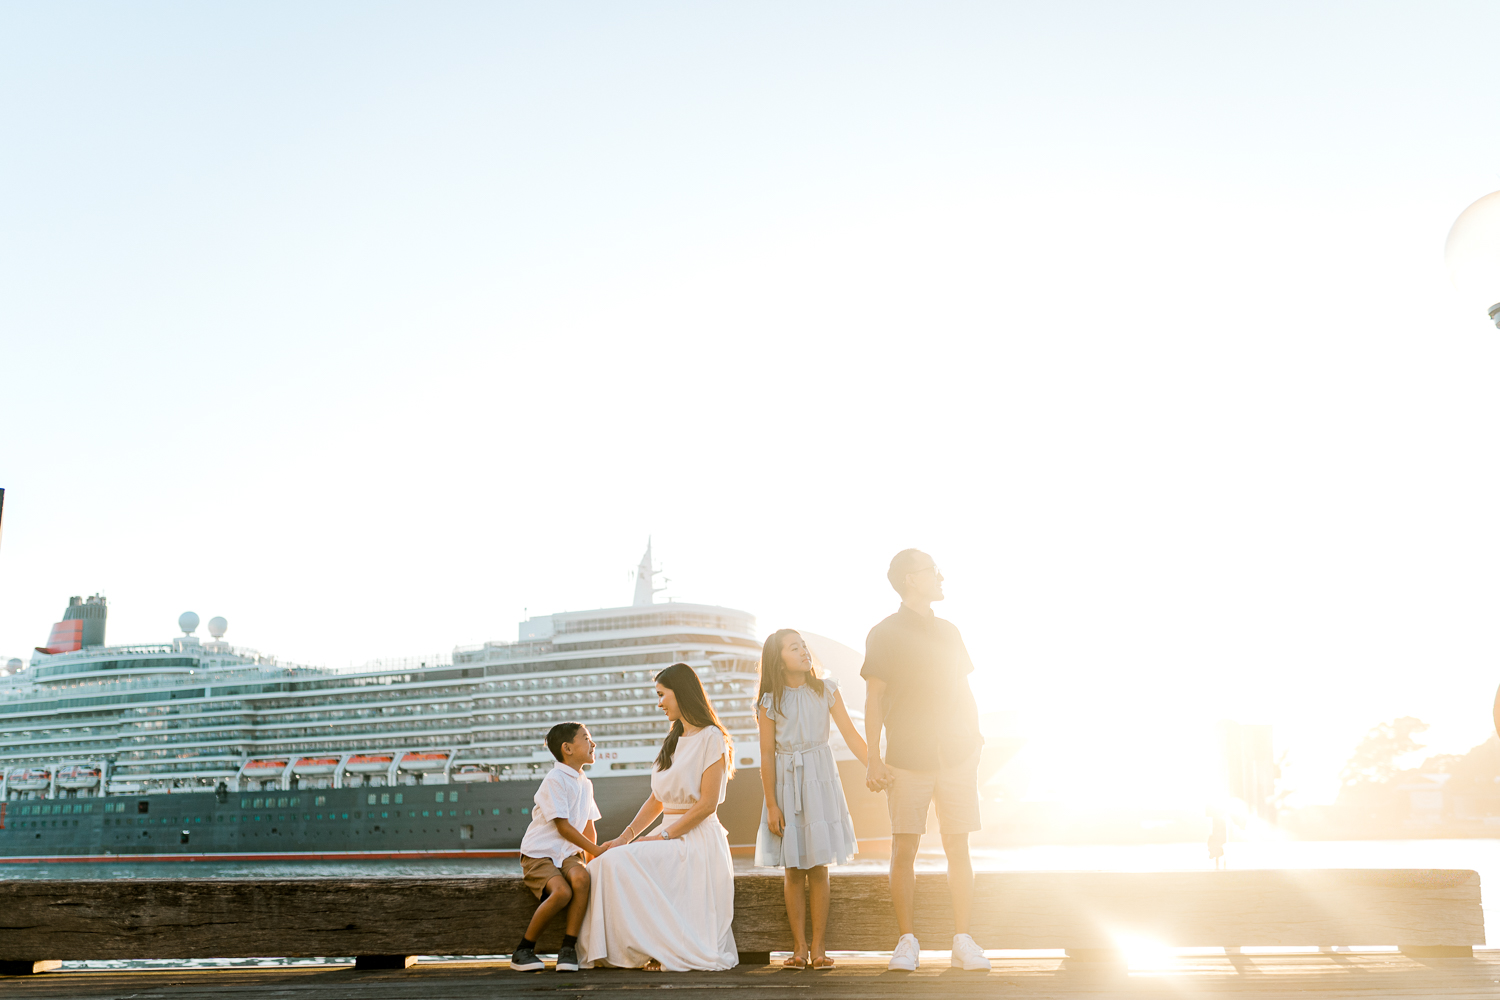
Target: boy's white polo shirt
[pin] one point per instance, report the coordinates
(564, 794)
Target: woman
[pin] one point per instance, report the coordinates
(666, 900)
(805, 824)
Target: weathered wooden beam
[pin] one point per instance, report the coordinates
(1079, 911)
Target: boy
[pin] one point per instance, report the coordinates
(551, 864)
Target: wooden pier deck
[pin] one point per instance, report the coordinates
(1241, 977)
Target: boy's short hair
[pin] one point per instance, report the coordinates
(559, 734)
(903, 563)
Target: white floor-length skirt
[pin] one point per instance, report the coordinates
(671, 900)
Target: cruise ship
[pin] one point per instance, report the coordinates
(196, 748)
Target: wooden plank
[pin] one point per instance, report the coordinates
(229, 918)
(1350, 977)
(1091, 910)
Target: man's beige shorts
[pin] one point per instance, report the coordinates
(536, 872)
(955, 789)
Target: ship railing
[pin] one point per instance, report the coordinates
(436, 660)
(206, 676)
(91, 652)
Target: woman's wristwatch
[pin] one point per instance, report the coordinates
(666, 834)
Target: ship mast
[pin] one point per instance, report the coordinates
(645, 580)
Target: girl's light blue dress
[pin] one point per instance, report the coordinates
(818, 828)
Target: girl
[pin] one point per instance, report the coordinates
(805, 825)
(667, 900)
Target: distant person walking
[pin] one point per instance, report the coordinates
(916, 674)
(804, 824)
(667, 901)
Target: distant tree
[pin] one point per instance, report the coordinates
(1374, 760)
(1479, 768)
(1443, 763)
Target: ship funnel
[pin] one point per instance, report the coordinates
(82, 625)
(92, 611)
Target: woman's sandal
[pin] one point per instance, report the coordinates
(794, 961)
(822, 962)
(652, 965)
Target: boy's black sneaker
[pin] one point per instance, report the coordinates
(567, 958)
(525, 960)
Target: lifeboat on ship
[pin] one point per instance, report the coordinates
(424, 761)
(264, 768)
(125, 787)
(369, 763)
(315, 765)
(29, 779)
(471, 772)
(78, 776)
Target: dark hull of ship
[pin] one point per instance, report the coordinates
(470, 820)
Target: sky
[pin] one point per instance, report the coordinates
(375, 327)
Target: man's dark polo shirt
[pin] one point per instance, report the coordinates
(930, 716)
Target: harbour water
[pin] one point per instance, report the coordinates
(1481, 855)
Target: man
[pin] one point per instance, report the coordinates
(916, 675)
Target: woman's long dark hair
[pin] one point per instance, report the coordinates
(773, 669)
(692, 705)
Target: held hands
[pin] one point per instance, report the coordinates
(775, 820)
(878, 777)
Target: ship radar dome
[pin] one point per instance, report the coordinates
(218, 626)
(187, 621)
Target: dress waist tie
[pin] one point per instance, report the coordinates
(793, 762)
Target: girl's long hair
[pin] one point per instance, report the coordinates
(773, 670)
(692, 705)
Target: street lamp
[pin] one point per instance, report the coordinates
(1473, 255)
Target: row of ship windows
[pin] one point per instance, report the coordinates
(257, 817)
(465, 692)
(247, 802)
(271, 817)
(355, 739)
(283, 732)
(502, 741)
(384, 798)
(218, 721)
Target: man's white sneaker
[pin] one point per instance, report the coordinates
(967, 955)
(908, 954)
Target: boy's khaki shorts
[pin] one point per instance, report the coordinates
(955, 789)
(536, 872)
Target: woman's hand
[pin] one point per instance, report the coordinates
(775, 820)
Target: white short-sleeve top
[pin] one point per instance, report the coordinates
(803, 716)
(564, 794)
(679, 785)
